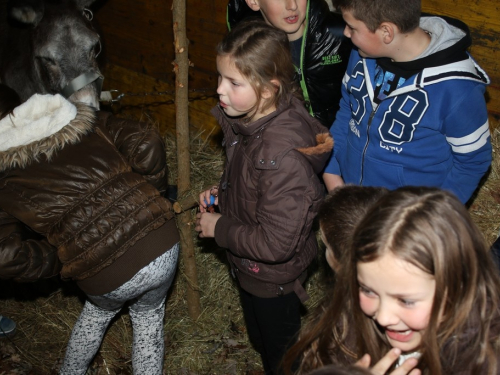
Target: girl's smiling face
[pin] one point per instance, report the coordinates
(399, 297)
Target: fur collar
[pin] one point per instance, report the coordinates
(325, 145)
(40, 127)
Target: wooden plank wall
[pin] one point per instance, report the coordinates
(138, 52)
(483, 18)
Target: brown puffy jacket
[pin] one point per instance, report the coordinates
(269, 195)
(83, 196)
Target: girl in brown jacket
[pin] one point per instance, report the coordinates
(269, 193)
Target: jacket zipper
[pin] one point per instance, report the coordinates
(225, 184)
(370, 119)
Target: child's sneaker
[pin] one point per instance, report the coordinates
(7, 326)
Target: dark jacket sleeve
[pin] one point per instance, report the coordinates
(24, 255)
(325, 61)
(142, 146)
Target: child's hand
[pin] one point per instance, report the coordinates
(205, 223)
(208, 198)
(407, 368)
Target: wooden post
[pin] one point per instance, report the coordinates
(181, 66)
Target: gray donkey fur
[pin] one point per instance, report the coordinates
(45, 44)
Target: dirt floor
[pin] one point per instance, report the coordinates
(215, 344)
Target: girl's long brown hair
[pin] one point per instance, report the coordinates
(432, 230)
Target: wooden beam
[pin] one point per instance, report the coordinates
(181, 67)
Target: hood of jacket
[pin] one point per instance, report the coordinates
(445, 58)
(42, 125)
(313, 141)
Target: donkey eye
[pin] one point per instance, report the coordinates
(96, 49)
(47, 60)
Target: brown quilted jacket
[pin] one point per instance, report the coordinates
(82, 197)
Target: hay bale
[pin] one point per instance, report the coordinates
(485, 208)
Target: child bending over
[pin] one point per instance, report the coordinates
(79, 196)
(338, 217)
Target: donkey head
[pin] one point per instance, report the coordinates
(55, 45)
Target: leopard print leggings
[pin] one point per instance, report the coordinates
(145, 294)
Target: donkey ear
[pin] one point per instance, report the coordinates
(29, 12)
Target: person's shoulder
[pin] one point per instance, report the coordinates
(296, 122)
(321, 17)
(296, 115)
(457, 79)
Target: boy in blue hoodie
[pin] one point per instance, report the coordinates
(412, 110)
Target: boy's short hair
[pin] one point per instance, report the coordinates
(405, 14)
